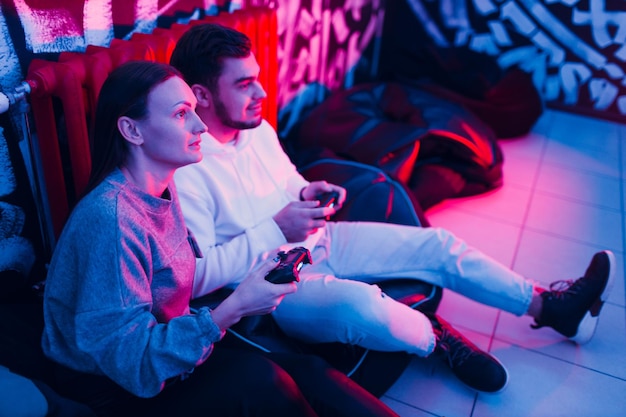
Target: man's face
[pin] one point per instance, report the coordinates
(238, 101)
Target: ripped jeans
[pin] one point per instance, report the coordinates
(336, 301)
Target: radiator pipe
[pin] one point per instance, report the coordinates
(17, 100)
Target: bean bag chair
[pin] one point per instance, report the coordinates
(505, 99)
(433, 146)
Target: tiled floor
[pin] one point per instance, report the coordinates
(563, 199)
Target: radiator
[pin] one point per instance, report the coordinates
(64, 93)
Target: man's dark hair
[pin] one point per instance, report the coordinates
(200, 52)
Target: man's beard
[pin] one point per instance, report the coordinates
(226, 120)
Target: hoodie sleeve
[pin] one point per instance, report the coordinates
(231, 261)
(233, 224)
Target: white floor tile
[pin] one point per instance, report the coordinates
(507, 204)
(585, 134)
(530, 146)
(403, 409)
(467, 314)
(593, 160)
(520, 171)
(577, 221)
(582, 186)
(541, 386)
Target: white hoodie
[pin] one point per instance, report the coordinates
(229, 200)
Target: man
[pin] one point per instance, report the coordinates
(246, 198)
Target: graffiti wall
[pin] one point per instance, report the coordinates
(324, 45)
(574, 49)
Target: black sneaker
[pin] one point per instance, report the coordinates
(572, 307)
(475, 368)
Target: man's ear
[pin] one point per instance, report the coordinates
(203, 95)
(129, 129)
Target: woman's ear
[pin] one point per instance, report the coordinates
(203, 95)
(129, 129)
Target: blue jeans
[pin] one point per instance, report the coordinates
(336, 301)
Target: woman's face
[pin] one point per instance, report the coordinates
(171, 132)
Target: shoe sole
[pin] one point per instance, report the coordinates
(588, 324)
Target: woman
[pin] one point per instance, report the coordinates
(116, 304)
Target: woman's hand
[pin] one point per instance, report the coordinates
(253, 296)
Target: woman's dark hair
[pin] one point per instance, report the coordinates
(199, 53)
(124, 93)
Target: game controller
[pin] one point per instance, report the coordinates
(290, 263)
(327, 199)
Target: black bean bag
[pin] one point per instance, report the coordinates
(435, 147)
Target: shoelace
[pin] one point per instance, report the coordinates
(456, 351)
(558, 290)
(565, 286)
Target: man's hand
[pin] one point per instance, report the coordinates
(311, 191)
(299, 219)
